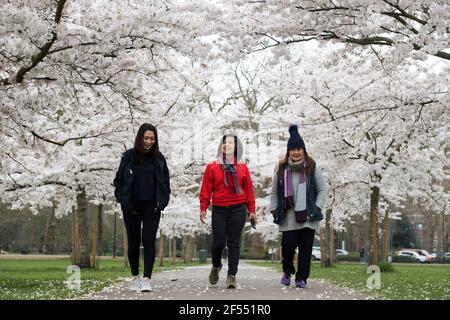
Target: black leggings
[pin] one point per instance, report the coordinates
(303, 239)
(227, 224)
(149, 220)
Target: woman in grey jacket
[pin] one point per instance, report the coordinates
(297, 198)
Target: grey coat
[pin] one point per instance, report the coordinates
(289, 223)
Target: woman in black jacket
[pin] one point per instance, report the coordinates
(142, 187)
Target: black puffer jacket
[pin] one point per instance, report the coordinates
(124, 182)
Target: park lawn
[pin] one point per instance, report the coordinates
(406, 282)
(45, 279)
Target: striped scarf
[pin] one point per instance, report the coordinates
(230, 169)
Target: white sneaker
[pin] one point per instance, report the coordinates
(135, 284)
(145, 285)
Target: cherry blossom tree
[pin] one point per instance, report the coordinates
(366, 81)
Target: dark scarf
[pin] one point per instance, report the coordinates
(230, 169)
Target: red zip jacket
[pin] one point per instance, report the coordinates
(213, 183)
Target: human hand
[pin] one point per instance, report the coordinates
(203, 216)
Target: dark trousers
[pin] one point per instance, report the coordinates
(302, 239)
(149, 220)
(227, 224)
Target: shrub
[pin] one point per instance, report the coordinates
(386, 266)
(351, 257)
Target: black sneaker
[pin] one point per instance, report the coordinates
(231, 281)
(214, 275)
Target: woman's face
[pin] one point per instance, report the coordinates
(228, 146)
(148, 140)
(296, 154)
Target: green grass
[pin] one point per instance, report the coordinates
(406, 282)
(45, 279)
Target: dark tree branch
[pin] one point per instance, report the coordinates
(38, 57)
(174, 103)
(62, 143)
(70, 47)
(398, 14)
(44, 183)
(406, 14)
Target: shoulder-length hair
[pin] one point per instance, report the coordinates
(309, 163)
(139, 144)
(238, 149)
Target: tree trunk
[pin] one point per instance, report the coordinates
(48, 246)
(195, 249)
(74, 236)
(161, 248)
(326, 247)
(446, 233)
(100, 230)
(115, 235)
(191, 253)
(125, 246)
(332, 245)
(187, 248)
(322, 259)
(386, 234)
(83, 231)
(94, 236)
(429, 228)
(374, 199)
(174, 250)
(170, 250)
(184, 250)
(258, 245)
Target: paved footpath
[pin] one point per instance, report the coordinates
(253, 283)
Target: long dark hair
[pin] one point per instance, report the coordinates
(138, 144)
(238, 149)
(309, 163)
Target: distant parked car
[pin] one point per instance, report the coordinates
(341, 252)
(440, 254)
(425, 253)
(315, 254)
(413, 254)
(429, 256)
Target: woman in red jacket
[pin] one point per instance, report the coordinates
(228, 181)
